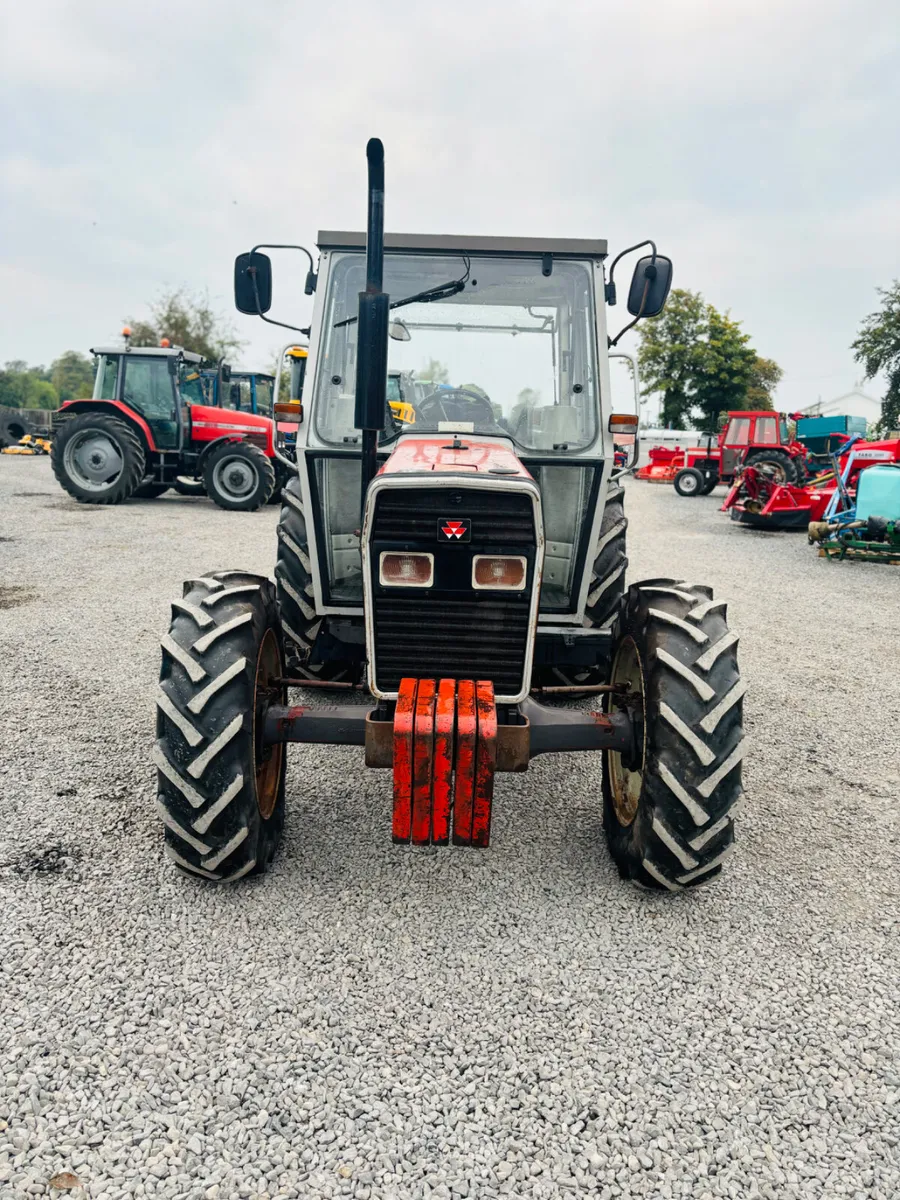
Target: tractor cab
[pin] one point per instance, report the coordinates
(154, 382)
(520, 337)
(746, 430)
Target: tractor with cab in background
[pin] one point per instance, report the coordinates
(154, 423)
(462, 572)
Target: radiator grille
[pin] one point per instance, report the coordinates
(499, 519)
(452, 631)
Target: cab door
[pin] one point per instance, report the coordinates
(148, 387)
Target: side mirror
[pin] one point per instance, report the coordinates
(650, 285)
(226, 373)
(398, 331)
(253, 283)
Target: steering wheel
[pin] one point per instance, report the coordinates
(454, 404)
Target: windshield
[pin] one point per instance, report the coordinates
(511, 353)
(190, 384)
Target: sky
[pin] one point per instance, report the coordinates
(143, 147)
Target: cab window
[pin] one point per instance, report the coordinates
(191, 387)
(738, 432)
(766, 431)
(148, 387)
(264, 397)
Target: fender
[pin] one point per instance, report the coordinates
(74, 407)
(208, 448)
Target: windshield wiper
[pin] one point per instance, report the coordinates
(443, 291)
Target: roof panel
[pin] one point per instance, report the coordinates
(456, 243)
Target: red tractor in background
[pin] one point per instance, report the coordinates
(758, 439)
(149, 427)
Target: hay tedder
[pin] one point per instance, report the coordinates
(456, 574)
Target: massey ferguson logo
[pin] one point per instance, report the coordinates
(455, 529)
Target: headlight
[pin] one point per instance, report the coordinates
(499, 571)
(397, 569)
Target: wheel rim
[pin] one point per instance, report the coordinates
(689, 484)
(94, 460)
(236, 477)
(627, 778)
(267, 759)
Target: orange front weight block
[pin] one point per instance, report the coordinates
(445, 756)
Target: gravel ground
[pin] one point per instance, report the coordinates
(374, 1022)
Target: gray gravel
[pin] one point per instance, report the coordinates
(374, 1022)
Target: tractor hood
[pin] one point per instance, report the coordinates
(458, 453)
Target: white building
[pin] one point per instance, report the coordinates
(851, 404)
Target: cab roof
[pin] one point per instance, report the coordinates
(461, 244)
(150, 352)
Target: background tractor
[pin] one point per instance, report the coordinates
(149, 427)
(457, 570)
(758, 439)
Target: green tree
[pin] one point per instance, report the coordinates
(22, 386)
(670, 354)
(877, 347)
(726, 369)
(434, 371)
(764, 379)
(72, 375)
(187, 320)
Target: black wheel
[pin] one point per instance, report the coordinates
(12, 429)
(98, 459)
(607, 587)
(777, 464)
(709, 485)
(296, 602)
(238, 476)
(668, 813)
(185, 486)
(221, 790)
(689, 482)
(150, 491)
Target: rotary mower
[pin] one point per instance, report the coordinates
(458, 572)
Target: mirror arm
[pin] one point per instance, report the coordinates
(610, 288)
(251, 271)
(613, 341)
(311, 276)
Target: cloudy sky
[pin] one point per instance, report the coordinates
(143, 146)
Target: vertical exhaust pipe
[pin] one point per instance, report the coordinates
(374, 308)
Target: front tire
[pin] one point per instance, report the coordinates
(98, 459)
(668, 814)
(239, 477)
(689, 482)
(221, 790)
(296, 601)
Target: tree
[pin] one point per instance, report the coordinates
(22, 386)
(72, 375)
(726, 369)
(187, 320)
(765, 377)
(435, 372)
(877, 347)
(670, 354)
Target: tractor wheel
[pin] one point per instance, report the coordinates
(185, 486)
(12, 429)
(689, 482)
(220, 791)
(293, 580)
(780, 464)
(239, 477)
(668, 811)
(98, 459)
(709, 485)
(149, 491)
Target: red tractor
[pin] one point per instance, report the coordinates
(453, 571)
(758, 439)
(148, 427)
